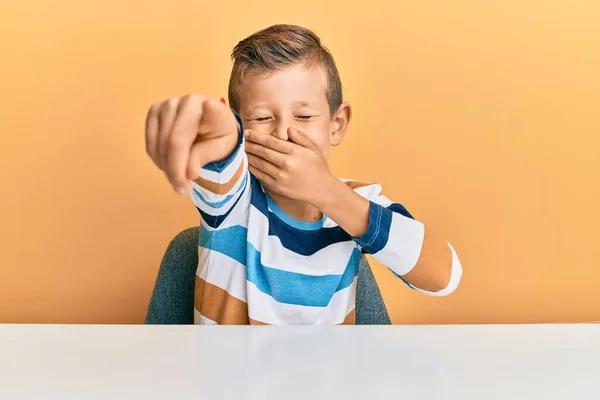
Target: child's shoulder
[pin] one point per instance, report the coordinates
(365, 189)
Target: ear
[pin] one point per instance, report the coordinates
(339, 123)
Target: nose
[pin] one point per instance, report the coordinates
(281, 131)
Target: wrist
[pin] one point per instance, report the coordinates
(330, 193)
(230, 144)
(345, 207)
(226, 151)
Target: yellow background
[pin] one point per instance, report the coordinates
(481, 117)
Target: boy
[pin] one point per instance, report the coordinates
(280, 237)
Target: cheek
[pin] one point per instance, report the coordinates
(259, 128)
(320, 136)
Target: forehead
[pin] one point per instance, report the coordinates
(296, 83)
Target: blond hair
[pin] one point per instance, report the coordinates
(278, 47)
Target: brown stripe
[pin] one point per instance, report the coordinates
(350, 318)
(433, 269)
(355, 184)
(216, 304)
(221, 188)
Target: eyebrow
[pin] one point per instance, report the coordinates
(298, 103)
(302, 104)
(255, 107)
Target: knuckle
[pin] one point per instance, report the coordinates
(164, 106)
(154, 109)
(270, 141)
(173, 102)
(193, 98)
(289, 162)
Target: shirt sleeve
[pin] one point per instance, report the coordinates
(412, 251)
(222, 185)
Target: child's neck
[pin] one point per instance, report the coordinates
(298, 210)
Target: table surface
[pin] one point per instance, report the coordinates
(559, 361)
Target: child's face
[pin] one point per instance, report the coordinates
(293, 97)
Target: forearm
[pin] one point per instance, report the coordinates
(219, 176)
(345, 207)
(411, 250)
(220, 184)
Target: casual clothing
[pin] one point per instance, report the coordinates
(257, 265)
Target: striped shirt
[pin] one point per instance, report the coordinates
(257, 265)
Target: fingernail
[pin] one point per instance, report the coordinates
(246, 133)
(180, 190)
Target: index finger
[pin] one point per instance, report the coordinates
(183, 135)
(269, 141)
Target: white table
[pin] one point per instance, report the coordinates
(395, 362)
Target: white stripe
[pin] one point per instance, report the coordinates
(329, 223)
(260, 226)
(455, 277)
(369, 191)
(222, 271)
(403, 248)
(200, 319)
(383, 201)
(350, 303)
(332, 259)
(238, 215)
(214, 197)
(265, 308)
(227, 174)
(211, 210)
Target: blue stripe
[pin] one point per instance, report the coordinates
(229, 241)
(299, 289)
(219, 204)
(378, 230)
(302, 242)
(395, 208)
(258, 198)
(399, 208)
(351, 270)
(298, 241)
(284, 286)
(301, 225)
(215, 220)
(221, 165)
(403, 280)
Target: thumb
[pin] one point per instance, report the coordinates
(300, 138)
(202, 153)
(217, 119)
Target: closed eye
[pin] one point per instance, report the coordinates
(262, 119)
(304, 116)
